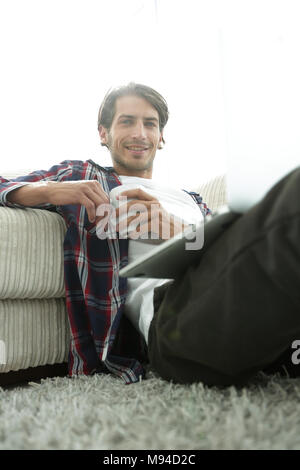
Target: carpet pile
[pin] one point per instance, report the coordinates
(101, 413)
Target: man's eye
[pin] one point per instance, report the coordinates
(126, 121)
(150, 124)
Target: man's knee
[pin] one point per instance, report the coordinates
(289, 188)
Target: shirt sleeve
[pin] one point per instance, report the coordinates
(55, 173)
(201, 204)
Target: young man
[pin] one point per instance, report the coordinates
(234, 314)
(130, 123)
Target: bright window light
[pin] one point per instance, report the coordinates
(59, 57)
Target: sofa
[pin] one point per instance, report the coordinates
(34, 328)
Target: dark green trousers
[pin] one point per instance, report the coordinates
(238, 311)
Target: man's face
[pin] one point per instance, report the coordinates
(134, 136)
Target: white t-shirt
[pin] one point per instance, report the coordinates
(139, 301)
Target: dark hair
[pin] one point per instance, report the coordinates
(108, 107)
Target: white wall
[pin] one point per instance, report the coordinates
(59, 57)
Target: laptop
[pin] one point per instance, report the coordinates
(260, 76)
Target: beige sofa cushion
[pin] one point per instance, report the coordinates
(31, 253)
(214, 192)
(34, 332)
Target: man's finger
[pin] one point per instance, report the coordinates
(140, 219)
(95, 196)
(137, 194)
(133, 207)
(101, 194)
(93, 199)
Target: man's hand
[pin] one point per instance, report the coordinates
(150, 215)
(90, 194)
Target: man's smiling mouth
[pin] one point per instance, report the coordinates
(136, 148)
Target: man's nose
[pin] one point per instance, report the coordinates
(139, 131)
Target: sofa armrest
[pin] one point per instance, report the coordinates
(214, 192)
(31, 253)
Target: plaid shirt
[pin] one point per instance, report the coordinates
(95, 294)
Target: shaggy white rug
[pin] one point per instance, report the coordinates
(102, 413)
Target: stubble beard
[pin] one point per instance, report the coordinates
(137, 165)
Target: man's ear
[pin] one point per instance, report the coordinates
(103, 132)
